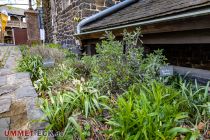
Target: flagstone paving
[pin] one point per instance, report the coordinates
(18, 98)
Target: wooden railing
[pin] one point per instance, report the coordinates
(17, 24)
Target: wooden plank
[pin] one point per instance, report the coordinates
(178, 25)
(185, 37)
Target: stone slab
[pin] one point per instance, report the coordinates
(4, 126)
(2, 134)
(4, 72)
(5, 105)
(23, 75)
(25, 83)
(27, 91)
(11, 79)
(3, 81)
(5, 123)
(7, 89)
(35, 113)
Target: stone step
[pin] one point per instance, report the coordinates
(3, 81)
(5, 104)
(22, 79)
(4, 126)
(4, 72)
(17, 98)
(7, 89)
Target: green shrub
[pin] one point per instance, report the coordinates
(197, 103)
(51, 45)
(81, 68)
(62, 73)
(151, 65)
(30, 64)
(24, 50)
(59, 111)
(146, 113)
(48, 53)
(88, 99)
(115, 71)
(43, 83)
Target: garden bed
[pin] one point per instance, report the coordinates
(116, 95)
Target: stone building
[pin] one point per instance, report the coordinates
(62, 17)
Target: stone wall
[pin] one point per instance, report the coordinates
(47, 21)
(61, 19)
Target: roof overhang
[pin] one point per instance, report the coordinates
(162, 20)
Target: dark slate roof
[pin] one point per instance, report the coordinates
(13, 10)
(144, 10)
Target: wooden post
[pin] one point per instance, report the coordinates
(30, 5)
(2, 34)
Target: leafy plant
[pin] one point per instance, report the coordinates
(48, 53)
(198, 105)
(30, 64)
(88, 99)
(43, 83)
(152, 64)
(24, 50)
(146, 112)
(197, 100)
(86, 130)
(51, 45)
(115, 67)
(109, 68)
(190, 134)
(62, 73)
(59, 111)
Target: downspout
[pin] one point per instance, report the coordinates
(104, 13)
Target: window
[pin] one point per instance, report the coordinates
(9, 18)
(24, 19)
(65, 4)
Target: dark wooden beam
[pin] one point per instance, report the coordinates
(30, 5)
(178, 25)
(181, 37)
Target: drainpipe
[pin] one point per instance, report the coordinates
(104, 13)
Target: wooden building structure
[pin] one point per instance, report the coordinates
(181, 28)
(15, 32)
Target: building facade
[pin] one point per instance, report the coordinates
(180, 28)
(62, 17)
(15, 32)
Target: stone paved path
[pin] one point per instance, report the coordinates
(18, 98)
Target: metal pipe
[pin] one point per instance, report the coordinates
(104, 13)
(164, 19)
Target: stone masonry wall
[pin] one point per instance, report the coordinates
(66, 19)
(47, 21)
